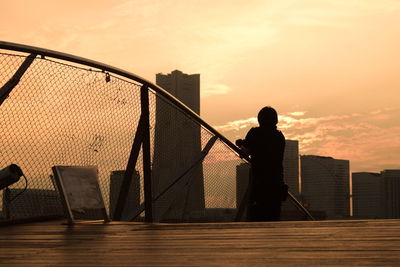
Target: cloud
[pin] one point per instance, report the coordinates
(237, 125)
(370, 140)
(215, 89)
(297, 113)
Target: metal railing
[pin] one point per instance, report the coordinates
(59, 109)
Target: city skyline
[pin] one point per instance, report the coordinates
(167, 117)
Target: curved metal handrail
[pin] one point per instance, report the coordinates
(123, 73)
(107, 68)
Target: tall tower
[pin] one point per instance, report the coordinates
(325, 185)
(177, 145)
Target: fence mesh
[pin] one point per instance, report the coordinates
(61, 113)
(69, 115)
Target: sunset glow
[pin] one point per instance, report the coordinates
(330, 68)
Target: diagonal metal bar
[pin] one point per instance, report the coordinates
(137, 212)
(300, 207)
(130, 169)
(9, 86)
(201, 157)
(145, 109)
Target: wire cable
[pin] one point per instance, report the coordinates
(26, 186)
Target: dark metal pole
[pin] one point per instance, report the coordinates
(300, 207)
(145, 116)
(7, 88)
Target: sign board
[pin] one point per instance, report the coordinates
(79, 189)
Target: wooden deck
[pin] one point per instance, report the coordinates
(320, 243)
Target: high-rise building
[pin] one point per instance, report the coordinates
(291, 177)
(291, 166)
(325, 185)
(185, 87)
(391, 196)
(368, 195)
(177, 146)
(133, 199)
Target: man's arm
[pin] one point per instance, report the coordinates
(246, 144)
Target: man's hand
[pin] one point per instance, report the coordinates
(245, 150)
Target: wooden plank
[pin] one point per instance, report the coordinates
(330, 243)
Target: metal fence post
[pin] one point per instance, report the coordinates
(145, 116)
(9, 86)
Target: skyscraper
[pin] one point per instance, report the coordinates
(177, 146)
(325, 185)
(291, 177)
(291, 166)
(391, 196)
(368, 195)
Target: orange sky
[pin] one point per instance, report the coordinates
(330, 68)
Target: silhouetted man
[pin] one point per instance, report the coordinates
(265, 145)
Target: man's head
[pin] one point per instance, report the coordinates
(267, 116)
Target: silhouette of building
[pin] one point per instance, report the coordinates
(291, 166)
(391, 196)
(31, 203)
(325, 185)
(368, 195)
(177, 145)
(291, 177)
(133, 199)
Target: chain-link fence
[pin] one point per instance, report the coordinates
(62, 113)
